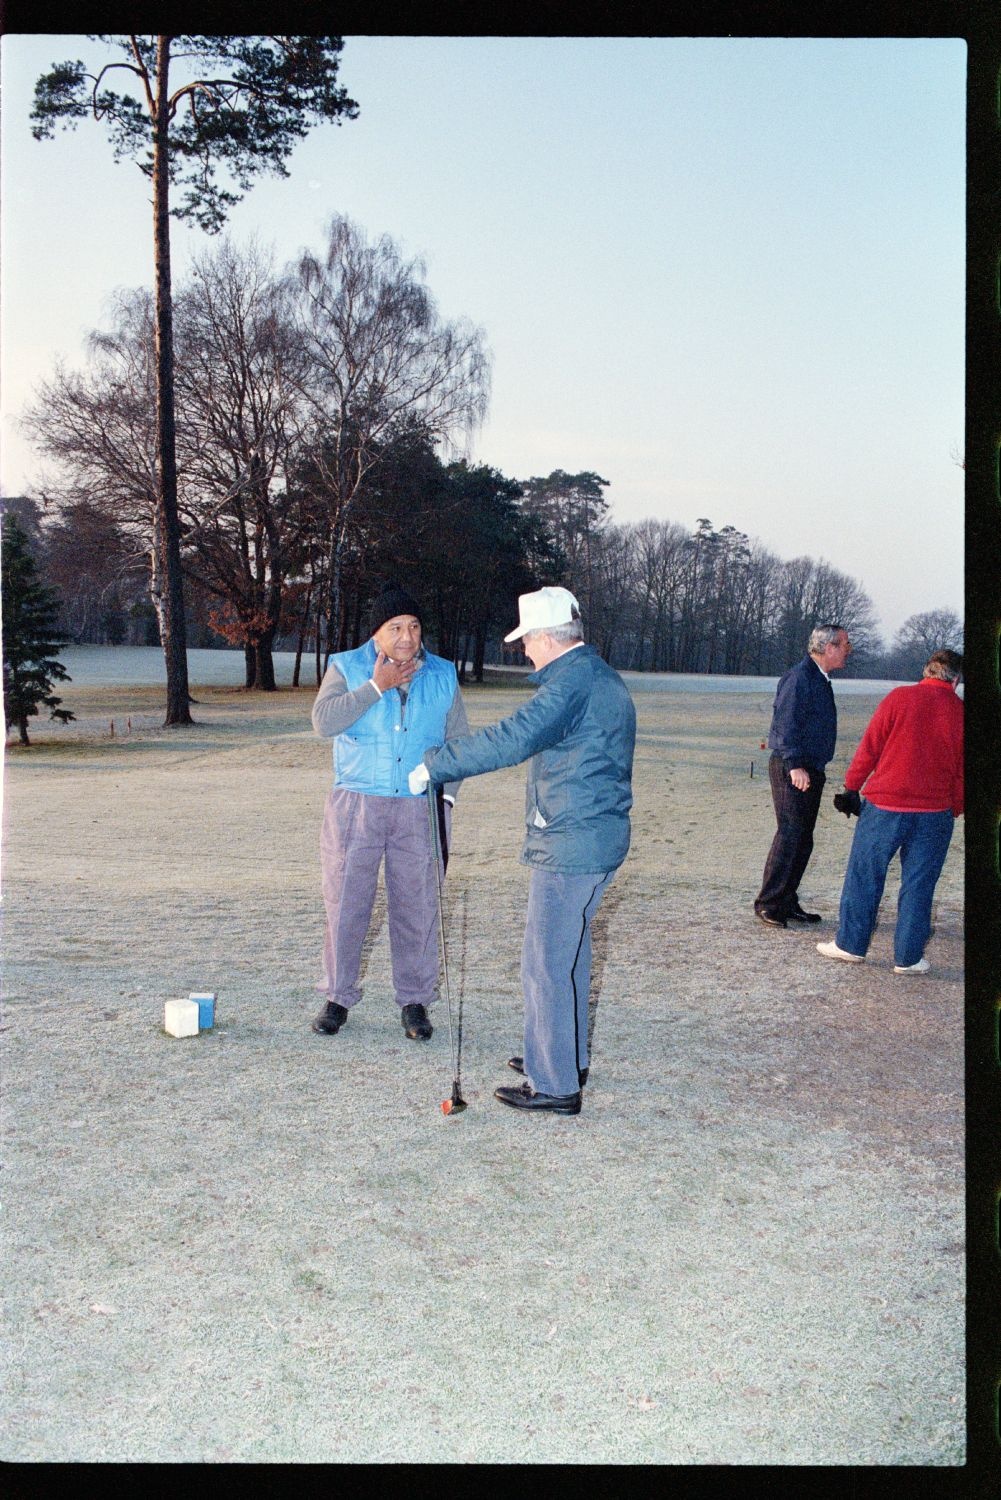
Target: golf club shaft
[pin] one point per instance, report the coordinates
(437, 856)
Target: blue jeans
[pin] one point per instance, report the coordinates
(556, 976)
(922, 839)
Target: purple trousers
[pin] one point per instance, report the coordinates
(359, 832)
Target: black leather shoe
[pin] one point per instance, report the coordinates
(518, 1064)
(525, 1097)
(770, 920)
(414, 1020)
(331, 1018)
(797, 914)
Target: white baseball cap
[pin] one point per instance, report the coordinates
(543, 609)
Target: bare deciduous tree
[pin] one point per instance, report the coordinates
(921, 634)
(381, 357)
(659, 560)
(99, 426)
(239, 368)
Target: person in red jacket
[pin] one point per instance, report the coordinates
(910, 764)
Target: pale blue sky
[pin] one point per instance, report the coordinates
(726, 274)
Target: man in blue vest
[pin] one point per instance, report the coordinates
(578, 730)
(383, 705)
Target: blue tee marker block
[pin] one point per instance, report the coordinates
(206, 1009)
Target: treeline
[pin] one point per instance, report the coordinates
(467, 541)
(316, 409)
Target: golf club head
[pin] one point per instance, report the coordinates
(453, 1106)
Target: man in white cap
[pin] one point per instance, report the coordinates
(579, 730)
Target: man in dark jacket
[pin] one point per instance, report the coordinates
(802, 738)
(579, 729)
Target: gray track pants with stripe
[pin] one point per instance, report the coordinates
(556, 976)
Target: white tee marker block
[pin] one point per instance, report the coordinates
(180, 1018)
(205, 1000)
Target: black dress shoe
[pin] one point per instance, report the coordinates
(414, 1020)
(518, 1064)
(797, 914)
(525, 1097)
(331, 1018)
(770, 920)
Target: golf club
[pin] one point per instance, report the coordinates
(439, 853)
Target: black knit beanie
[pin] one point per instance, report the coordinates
(391, 602)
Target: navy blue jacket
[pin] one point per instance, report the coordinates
(580, 730)
(804, 719)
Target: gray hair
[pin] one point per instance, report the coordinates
(822, 636)
(946, 665)
(572, 631)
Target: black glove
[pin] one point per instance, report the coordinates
(850, 803)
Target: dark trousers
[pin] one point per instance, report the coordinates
(796, 817)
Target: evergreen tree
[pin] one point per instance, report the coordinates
(30, 608)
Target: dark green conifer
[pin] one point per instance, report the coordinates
(30, 643)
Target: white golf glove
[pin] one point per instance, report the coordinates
(418, 780)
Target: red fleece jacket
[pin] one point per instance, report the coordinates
(910, 758)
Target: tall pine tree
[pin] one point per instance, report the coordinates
(30, 666)
(244, 113)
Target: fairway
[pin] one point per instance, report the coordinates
(262, 1245)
